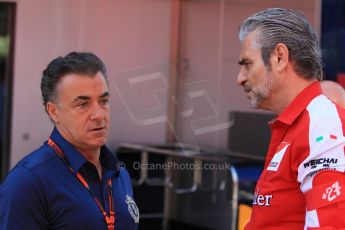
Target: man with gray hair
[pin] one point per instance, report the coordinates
(302, 184)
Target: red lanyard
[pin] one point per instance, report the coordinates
(110, 220)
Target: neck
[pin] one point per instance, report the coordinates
(91, 154)
(284, 93)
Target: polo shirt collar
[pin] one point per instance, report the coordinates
(108, 160)
(300, 103)
(76, 159)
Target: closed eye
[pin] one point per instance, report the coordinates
(83, 105)
(104, 101)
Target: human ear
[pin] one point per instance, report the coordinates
(280, 57)
(52, 110)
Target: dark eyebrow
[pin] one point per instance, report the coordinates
(243, 61)
(85, 98)
(105, 94)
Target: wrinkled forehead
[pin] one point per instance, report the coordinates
(76, 84)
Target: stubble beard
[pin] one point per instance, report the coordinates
(261, 92)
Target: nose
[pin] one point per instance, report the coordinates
(241, 78)
(97, 113)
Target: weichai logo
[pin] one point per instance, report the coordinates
(325, 162)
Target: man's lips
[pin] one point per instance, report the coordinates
(247, 91)
(97, 129)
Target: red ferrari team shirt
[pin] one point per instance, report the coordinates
(302, 184)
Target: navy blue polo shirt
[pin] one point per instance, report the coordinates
(41, 193)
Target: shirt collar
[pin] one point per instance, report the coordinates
(299, 104)
(76, 159)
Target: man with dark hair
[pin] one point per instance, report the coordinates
(72, 181)
(302, 185)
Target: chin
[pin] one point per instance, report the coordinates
(255, 104)
(98, 143)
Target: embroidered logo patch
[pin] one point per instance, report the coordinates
(275, 162)
(132, 208)
(325, 195)
(332, 192)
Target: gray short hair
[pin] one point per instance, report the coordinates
(290, 27)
